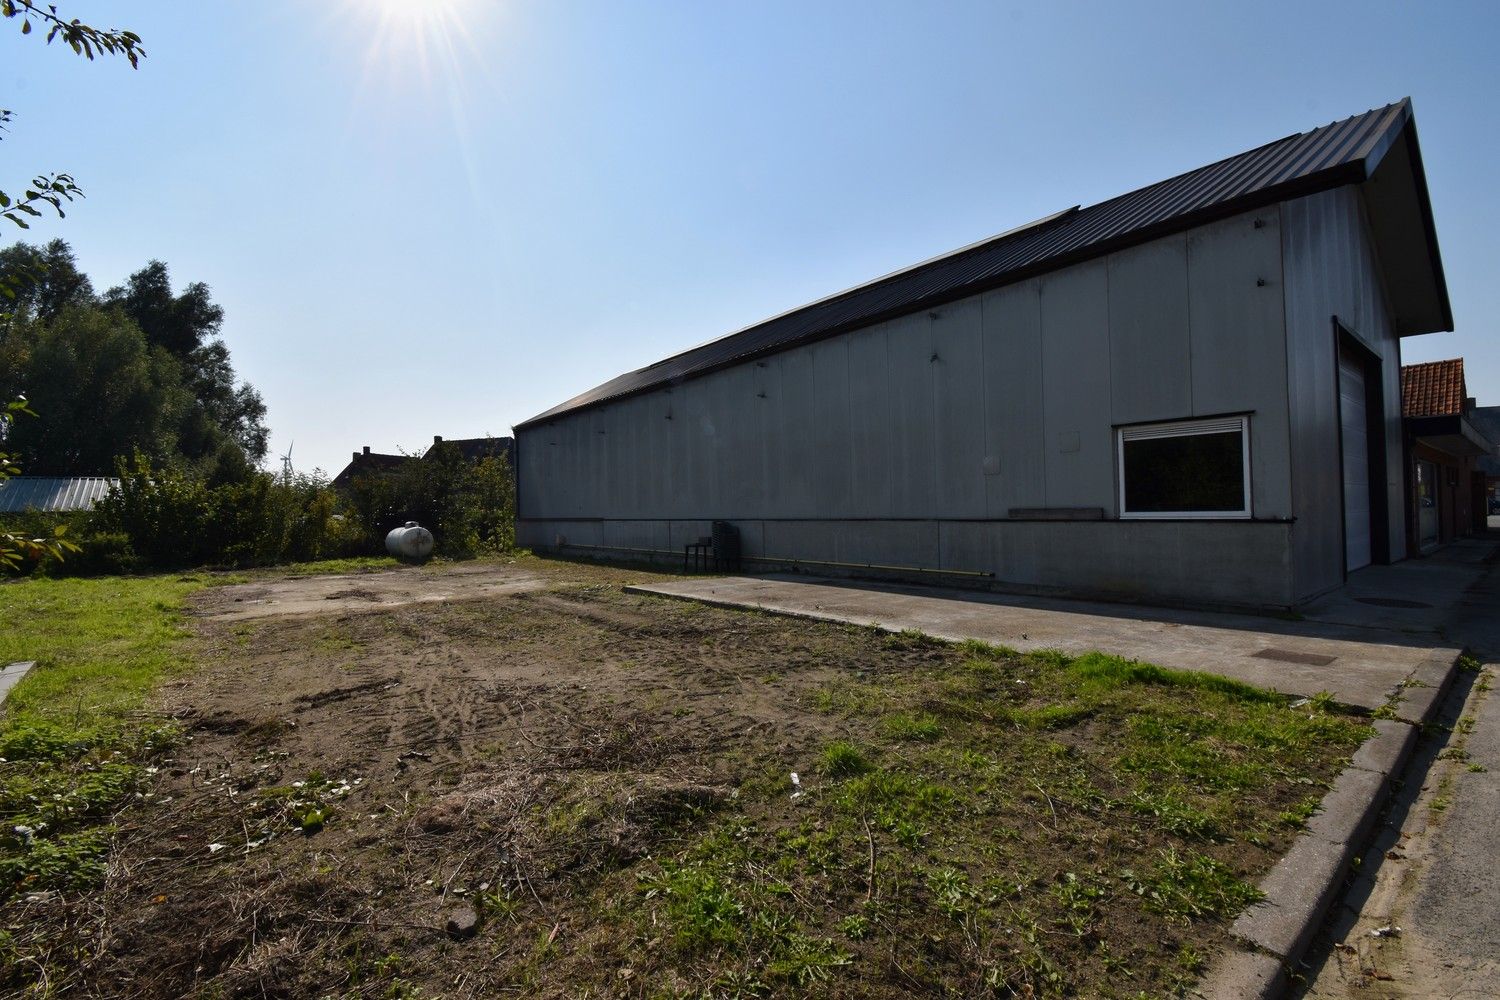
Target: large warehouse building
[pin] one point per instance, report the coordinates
(1190, 392)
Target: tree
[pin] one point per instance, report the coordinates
(187, 325)
(140, 369)
(44, 280)
(180, 323)
(104, 391)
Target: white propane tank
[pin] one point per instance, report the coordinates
(410, 541)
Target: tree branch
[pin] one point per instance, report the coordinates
(83, 39)
(46, 189)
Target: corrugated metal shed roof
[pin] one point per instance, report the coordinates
(1344, 152)
(1433, 388)
(45, 493)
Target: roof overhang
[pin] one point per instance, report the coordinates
(1400, 218)
(1451, 434)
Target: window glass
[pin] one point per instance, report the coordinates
(1197, 469)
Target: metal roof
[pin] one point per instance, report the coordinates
(46, 493)
(1343, 152)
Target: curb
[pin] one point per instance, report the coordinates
(1272, 935)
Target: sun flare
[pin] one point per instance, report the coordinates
(426, 35)
(420, 13)
(422, 61)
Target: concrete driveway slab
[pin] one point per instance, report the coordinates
(1359, 666)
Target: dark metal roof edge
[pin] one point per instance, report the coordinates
(1037, 225)
(1347, 173)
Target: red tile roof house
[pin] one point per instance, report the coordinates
(1444, 448)
(1189, 393)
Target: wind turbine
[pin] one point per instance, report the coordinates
(286, 463)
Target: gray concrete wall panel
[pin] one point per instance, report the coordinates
(1238, 351)
(911, 443)
(971, 547)
(959, 403)
(815, 540)
(1014, 431)
(1078, 438)
(1150, 358)
(871, 426)
(643, 535)
(888, 543)
(830, 470)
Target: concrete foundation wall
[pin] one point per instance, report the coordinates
(1245, 564)
(886, 443)
(1330, 271)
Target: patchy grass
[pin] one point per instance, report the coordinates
(72, 745)
(604, 778)
(100, 644)
(1015, 826)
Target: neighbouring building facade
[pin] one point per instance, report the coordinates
(1487, 419)
(1446, 447)
(367, 463)
(1187, 393)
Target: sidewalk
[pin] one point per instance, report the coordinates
(1359, 644)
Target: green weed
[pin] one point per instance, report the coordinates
(1186, 886)
(1299, 814)
(902, 726)
(842, 759)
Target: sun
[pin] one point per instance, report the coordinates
(420, 14)
(427, 36)
(421, 60)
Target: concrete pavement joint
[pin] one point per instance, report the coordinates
(1386, 752)
(1425, 688)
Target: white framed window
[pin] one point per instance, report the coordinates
(1185, 468)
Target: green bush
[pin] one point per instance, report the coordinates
(159, 518)
(168, 518)
(99, 554)
(470, 507)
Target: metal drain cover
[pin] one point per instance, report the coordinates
(1391, 602)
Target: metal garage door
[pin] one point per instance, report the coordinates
(1352, 405)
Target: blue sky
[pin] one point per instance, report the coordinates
(444, 216)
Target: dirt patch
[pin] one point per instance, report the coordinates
(604, 780)
(322, 595)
